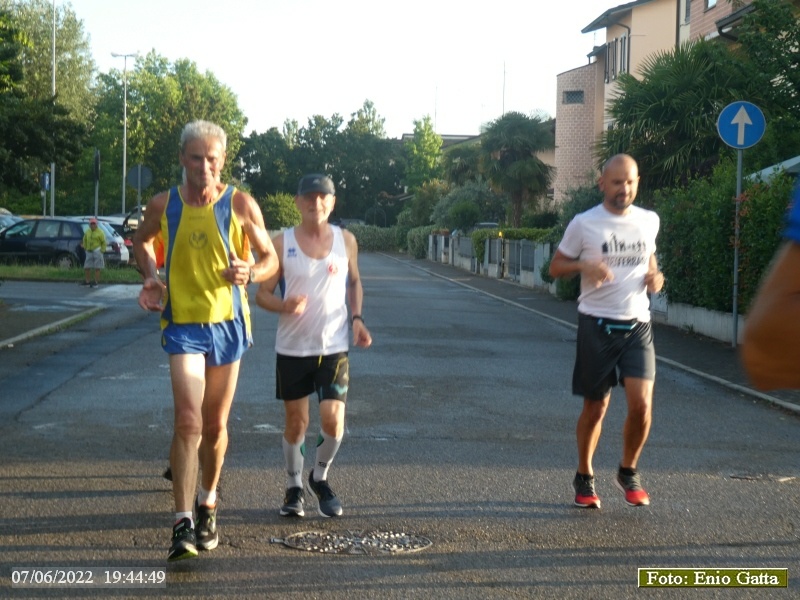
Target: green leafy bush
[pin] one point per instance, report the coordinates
(541, 220)
(405, 223)
(418, 240)
(463, 214)
(280, 211)
(696, 241)
(374, 239)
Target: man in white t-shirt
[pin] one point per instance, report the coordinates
(318, 278)
(612, 246)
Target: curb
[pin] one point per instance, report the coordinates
(718, 380)
(51, 326)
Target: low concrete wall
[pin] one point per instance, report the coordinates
(706, 322)
(711, 323)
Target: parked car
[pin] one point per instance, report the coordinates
(51, 240)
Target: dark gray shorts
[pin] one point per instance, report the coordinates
(299, 376)
(608, 352)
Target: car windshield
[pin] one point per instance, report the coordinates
(22, 229)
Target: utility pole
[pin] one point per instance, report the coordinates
(124, 120)
(53, 164)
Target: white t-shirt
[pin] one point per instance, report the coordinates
(322, 328)
(625, 243)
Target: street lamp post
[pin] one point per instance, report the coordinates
(53, 163)
(124, 119)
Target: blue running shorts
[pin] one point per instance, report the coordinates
(221, 343)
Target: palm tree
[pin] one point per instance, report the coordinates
(508, 159)
(461, 163)
(667, 118)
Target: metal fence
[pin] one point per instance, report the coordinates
(521, 256)
(518, 260)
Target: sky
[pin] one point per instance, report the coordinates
(463, 63)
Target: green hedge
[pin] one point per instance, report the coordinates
(417, 240)
(374, 239)
(696, 241)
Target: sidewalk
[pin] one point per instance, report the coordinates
(714, 361)
(19, 322)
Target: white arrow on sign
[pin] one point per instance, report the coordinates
(741, 119)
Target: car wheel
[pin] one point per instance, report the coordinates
(66, 261)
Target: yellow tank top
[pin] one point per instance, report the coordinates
(197, 243)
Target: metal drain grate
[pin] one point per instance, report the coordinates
(355, 542)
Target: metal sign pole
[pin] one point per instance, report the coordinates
(736, 248)
(740, 125)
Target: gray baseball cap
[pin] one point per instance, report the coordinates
(315, 182)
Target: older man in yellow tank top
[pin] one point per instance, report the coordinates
(205, 319)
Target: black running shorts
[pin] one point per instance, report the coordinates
(608, 352)
(299, 376)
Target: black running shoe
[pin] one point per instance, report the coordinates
(293, 503)
(207, 534)
(184, 541)
(329, 505)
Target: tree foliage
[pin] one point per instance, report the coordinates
(365, 166)
(162, 97)
(770, 41)
(12, 42)
(266, 165)
(74, 64)
(508, 159)
(427, 196)
(280, 210)
(35, 130)
(667, 120)
(423, 153)
(488, 206)
(462, 163)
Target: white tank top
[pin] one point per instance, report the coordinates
(322, 328)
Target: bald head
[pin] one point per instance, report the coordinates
(619, 183)
(620, 159)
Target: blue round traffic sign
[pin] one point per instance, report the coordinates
(741, 125)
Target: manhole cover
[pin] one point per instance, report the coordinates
(355, 542)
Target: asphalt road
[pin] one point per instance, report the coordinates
(460, 430)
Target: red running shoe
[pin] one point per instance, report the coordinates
(585, 496)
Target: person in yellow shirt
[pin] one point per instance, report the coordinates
(205, 226)
(94, 243)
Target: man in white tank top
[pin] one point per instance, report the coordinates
(318, 278)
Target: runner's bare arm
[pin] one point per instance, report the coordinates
(266, 298)
(252, 221)
(355, 292)
(152, 292)
(562, 266)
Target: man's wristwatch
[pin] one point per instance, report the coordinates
(252, 275)
(356, 318)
